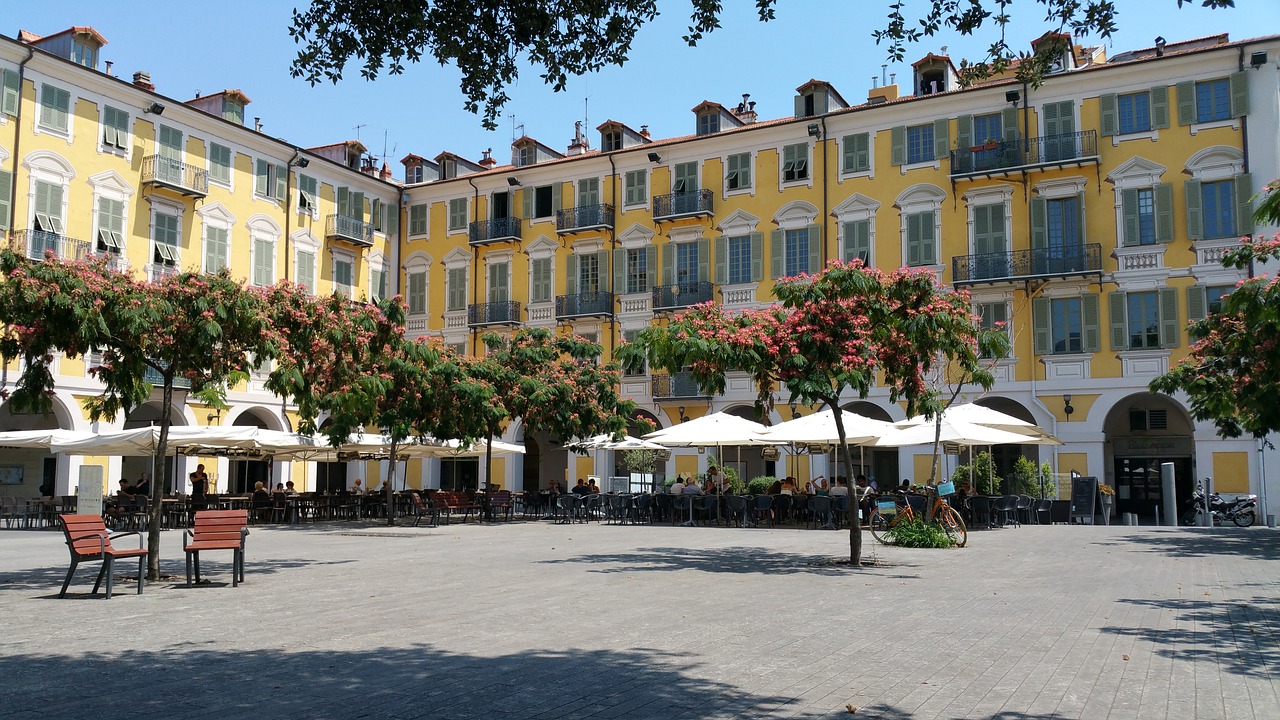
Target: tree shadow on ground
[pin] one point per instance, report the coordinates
(889, 712)
(1238, 636)
(1206, 542)
(417, 681)
(215, 567)
(746, 560)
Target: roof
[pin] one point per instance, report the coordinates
(343, 144)
(411, 158)
(235, 95)
(28, 37)
(932, 57)
(831, 89)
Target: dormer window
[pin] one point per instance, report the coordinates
(933, 81)
(232, 111)
(610, 140)
(448, 168)
(708, 123)
(353, 158)
(86, 55)
(413, 174)
(526, 155)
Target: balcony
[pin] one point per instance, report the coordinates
(349, 230)
(590, 304)
(682, 204)
(676, 386)
(169, 174)
(1021, 265)
(483, 232)
(153, 376)
(1000, 158)
(586, 217)
(681, 295)
(35, 244)
(493, 313)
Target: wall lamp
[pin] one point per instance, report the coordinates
(155, 108)
(215, 415)
(655, 157)
(680, 410)
(814, 130)
(1258, 59)
(300, 162)
(1066, 406)
(1012, 96)
(513, 181)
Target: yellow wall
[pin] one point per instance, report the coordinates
(1231, 472)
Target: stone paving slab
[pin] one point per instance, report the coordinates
(531, 620)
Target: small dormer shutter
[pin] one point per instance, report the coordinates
(800, 106)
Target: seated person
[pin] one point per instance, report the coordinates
(289, 489)
(126, 490)
(906, 485)
(841, 488)
(357, 488)
(279, 489)
(144, 485)
(260, 493)
(677, 487)
(691, 487)
(788, 486)
(581, 488)
(592, 486)
(820, 485)
(775, 488)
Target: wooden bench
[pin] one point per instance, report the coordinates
(453, 503)
(217, 530)
(88, 539)
(500, 503)
(424, 509)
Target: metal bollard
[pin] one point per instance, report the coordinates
(1271, 521)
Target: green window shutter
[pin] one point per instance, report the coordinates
(1239, 84)
(757, 257)
(357, 206)
(1244, 207)
(964, 131)
(1195, 212)
(376, 214)
(1185, 92)
(1169, 329)
(556, 189)
(1041, 314)
(307, 270)
(668, 264)
(1119, 326)
(1160, 107)
(898, 145)
(778, 257)
(862, 152)
(704, 260)
(215, 249)
(857, 241)
(941, 138)
(928, 239)
(722, 260)
(1090, 324)
(1197, 303)
(1009, 123)
(815, 249)
(848, 154)
(1164, 212)
(417, 292)
(343, 201)
(650, 268)
(744, 170)
(913, 239)
(1109, 120)
(1039, 223)
(260, 178)
(571, 275)
(261, 263)
(526, 198)
(619, 271)
(393, 219)
(11, 95)
(6, 193)
(799, 99)
(282, 182)
(1129, 210)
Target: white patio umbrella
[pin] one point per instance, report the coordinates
(958, 432)
(712, 430)
(820, 429)
(38, 439)
(182, 440)
(986, 417)
(606, 442)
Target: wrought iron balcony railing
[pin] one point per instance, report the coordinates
(175, 175)
(585, 217)
(998, 157)
(1024, 264)
(681, 295)
(349, 229)
(154, 377)
(682, 204)
(584, 304)
(505, 229)
(493, 313)
(35, 244)
(676, 385)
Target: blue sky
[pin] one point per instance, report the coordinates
(245, 44)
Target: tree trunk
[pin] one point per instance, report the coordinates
(488, 461)
(390, 484)
(855, 517)
(159, 469)
(933, 469)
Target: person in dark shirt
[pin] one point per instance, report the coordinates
(581, 488)
(144, 486)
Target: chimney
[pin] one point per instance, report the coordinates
(385, 175)
(579, 144)
(369, 166)
(746, 110)
(143, 80)
(487, 162)
(644, 131)
(109, 64)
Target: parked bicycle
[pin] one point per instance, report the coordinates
(889, 512)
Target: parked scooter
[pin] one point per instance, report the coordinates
(1243, 510)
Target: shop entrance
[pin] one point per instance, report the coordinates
(1144, 431)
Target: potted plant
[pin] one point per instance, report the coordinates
(1107, 495)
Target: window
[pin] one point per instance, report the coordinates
(48, 208)
(1218, 205)
(264, 262)
(857, 240)
(1065, 325)
(738, 175)
(418, 219)
(165, 231)
(856, 153)
(1148, 215)
(641, 367)
(413, 174)
(542, 202)
(987, 128)
(216, 248)
(637, 261)
(589, 273)
(610, 140)
(686, 178)
(219, 163)
(922, 245)
(343, 275)
(588, 192)
(115, 128)
(270, 180)
(526, 155)
(110, 225)
(232, 111)
(686, 264)
(1135, 112)
(919, 144)
(1144, 320)
(1063, 227)
(306, 275)
(500, 288)
(350, 204)
(85, 55)
(797, 252)
(457, 214)
(377, 281)
(417, 286)
(1214, 296)
(739, 252)
(55, 108)
(795, 162)
(637, 192)
(1213, 100)
(308, 194)
(708, 123)
(540, 280)
(995, 316)
(456, 292)
(1202, 300)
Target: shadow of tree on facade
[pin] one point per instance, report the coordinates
(417, 681)
(747, 560)
(1238, 636)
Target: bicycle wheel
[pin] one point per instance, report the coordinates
(951, 522)
(879, 525)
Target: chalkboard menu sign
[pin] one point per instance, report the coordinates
(1084, 497)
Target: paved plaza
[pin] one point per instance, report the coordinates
(532, 620)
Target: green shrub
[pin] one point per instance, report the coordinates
(759, 485)
(916, 533)
(984, 475)
(1027, 477)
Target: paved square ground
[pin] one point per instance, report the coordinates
(531, 620)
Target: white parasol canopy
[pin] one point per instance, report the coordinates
(986, 417)
(711, 430)
(820, 429)
(182, 440)
(606, 442)
(38, 439)
(959, 432)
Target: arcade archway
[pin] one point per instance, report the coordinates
(1143, 432)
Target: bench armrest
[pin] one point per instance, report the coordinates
(141, 541)
(102, 542)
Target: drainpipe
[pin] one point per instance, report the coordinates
(475, 265)
(1244, 140)
(394, 288)
(17, 138)
(288, 206)
(823, 140)
(613, 245)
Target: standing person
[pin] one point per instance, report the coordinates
(199, 482)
